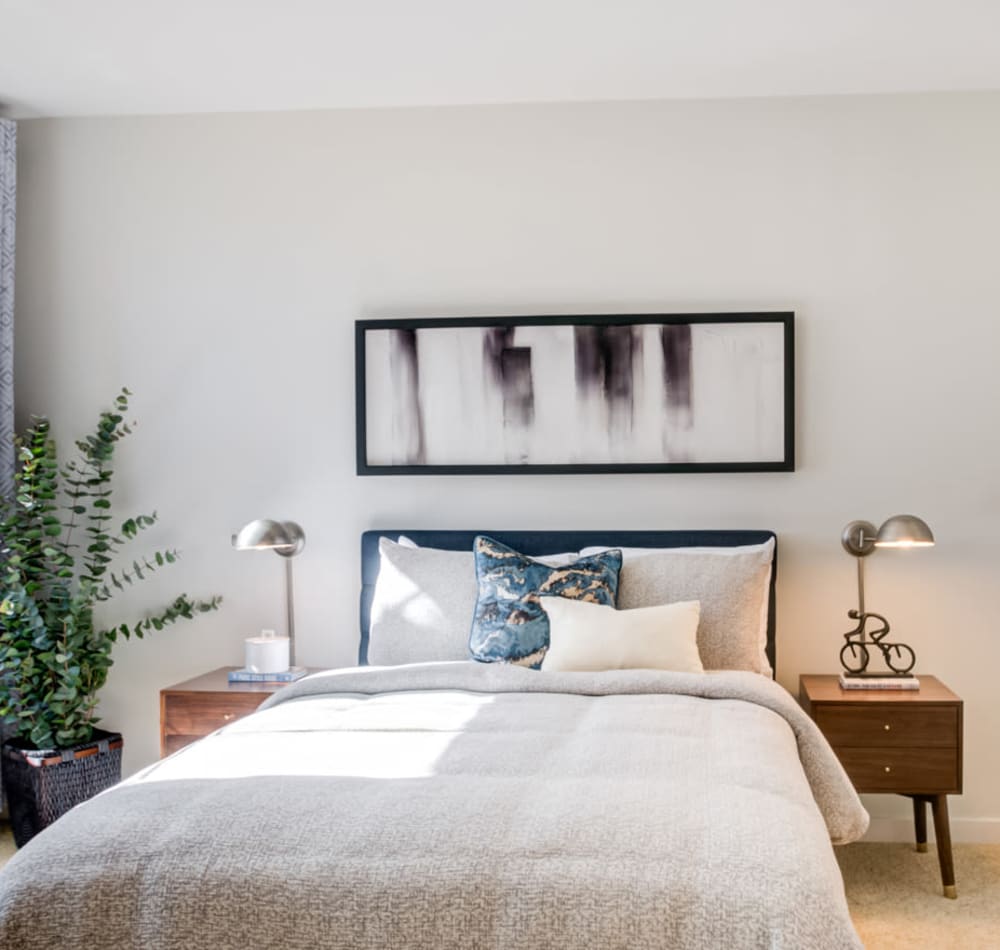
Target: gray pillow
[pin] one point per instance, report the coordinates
(732, 585)
(424, 602)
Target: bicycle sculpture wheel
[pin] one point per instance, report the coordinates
(898, 657)
(854, 657)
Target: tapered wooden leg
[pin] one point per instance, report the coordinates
(920, 821)
(942, 831)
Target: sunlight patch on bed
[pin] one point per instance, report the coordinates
(400, 711)
(332, 737)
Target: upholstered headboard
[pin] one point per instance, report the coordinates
(553, 542)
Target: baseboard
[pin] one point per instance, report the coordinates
(963, 830)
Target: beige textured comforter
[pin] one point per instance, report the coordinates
(463, 806)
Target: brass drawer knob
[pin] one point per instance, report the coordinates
(227, 716)
(887, 727)
(888, 768)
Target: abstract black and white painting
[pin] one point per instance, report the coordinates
(678, 392)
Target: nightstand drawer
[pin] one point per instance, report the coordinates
(198, 714)
(885, 724)
(901, 770)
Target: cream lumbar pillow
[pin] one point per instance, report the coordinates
(586, 637)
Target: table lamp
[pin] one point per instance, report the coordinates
(285, 538)
(860, 538)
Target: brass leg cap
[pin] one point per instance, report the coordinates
(951, 891)
(922, 847)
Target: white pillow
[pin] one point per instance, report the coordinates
(422, 606)
(587, 637)
(732, 584)
(552, 560)
(423, 603)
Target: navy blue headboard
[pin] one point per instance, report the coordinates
(555, 542)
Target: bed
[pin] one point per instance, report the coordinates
(446, 803)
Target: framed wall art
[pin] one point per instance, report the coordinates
(561, 394)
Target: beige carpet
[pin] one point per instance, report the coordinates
(895, 896)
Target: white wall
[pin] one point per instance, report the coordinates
(216, 264)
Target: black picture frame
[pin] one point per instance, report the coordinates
(785, 464)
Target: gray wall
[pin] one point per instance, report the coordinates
(215, 264)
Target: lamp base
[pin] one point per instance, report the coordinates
(877, 676)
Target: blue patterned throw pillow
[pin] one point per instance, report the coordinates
(509, 625)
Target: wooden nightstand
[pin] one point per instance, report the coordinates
(196, 707)
(904, 741)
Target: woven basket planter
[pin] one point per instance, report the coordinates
(43, 784)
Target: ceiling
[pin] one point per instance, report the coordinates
(113, 57)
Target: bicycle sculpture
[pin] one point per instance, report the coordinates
(854, 655)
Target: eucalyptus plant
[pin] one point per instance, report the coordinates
(60, 556)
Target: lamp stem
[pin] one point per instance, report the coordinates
(289, 597)
(861, 590)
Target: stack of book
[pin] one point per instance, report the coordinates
(878, 682)
(249, 676)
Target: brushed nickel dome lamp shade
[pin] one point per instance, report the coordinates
(860, 538)
(285, 538)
